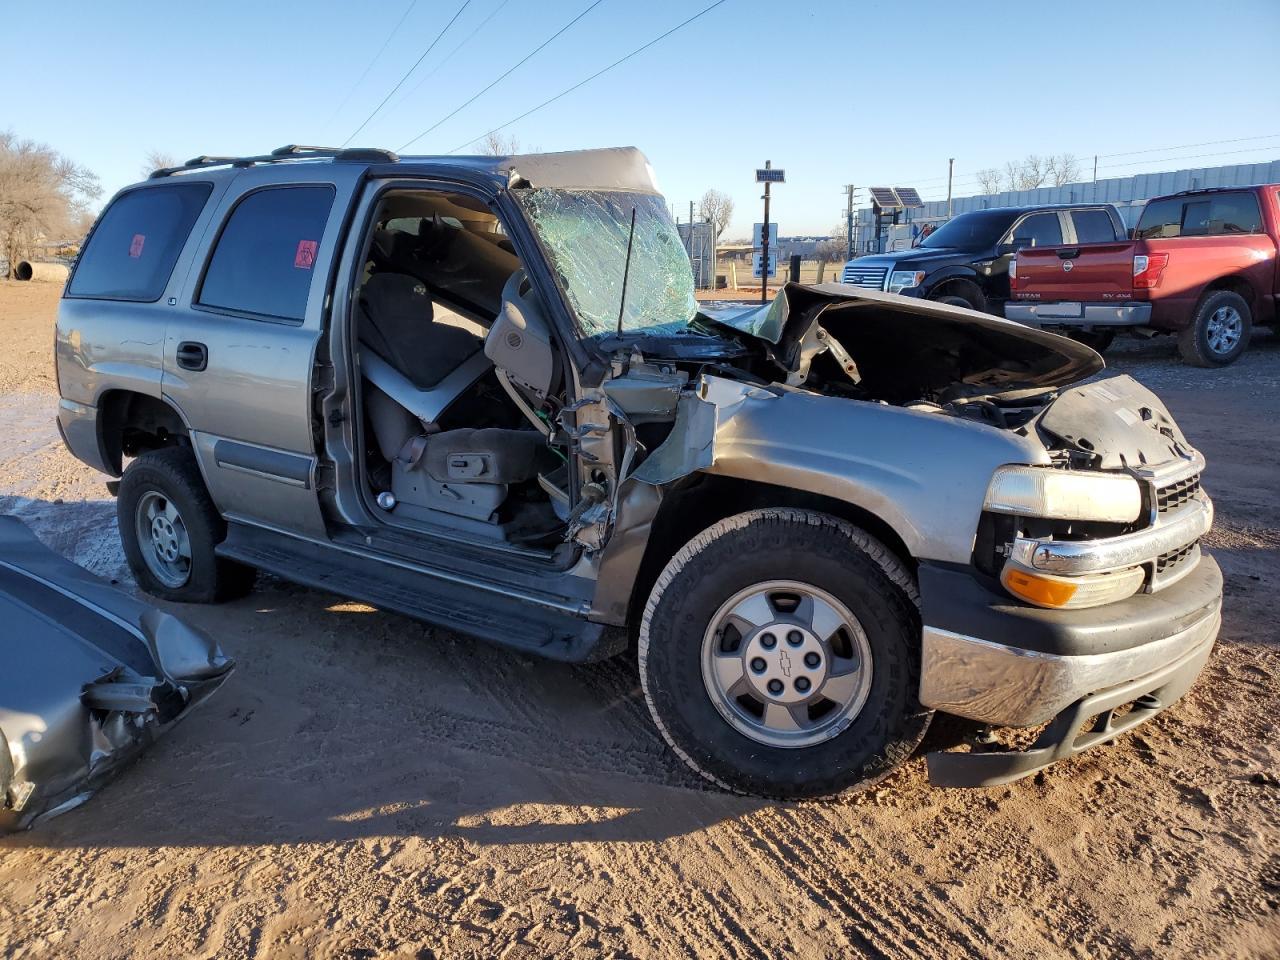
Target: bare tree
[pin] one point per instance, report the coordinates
(989, 180)
(1028, 174)
(157, 160)
(834, 248)
(717, 209)
(495, 144)
(1064, 168)
(42, 194)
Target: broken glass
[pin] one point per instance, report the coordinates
(585, 233)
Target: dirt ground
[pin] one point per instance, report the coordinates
(367, 786)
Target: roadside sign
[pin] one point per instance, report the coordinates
(757, 235)
(755, 265)
(770, 175)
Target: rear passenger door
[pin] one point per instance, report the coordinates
(240, 349)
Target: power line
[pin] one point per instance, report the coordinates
(381, 50)
(465, 4)
(581, 83)
(1189, 146)
(449, 56)
(1194, 156)
(504, 76)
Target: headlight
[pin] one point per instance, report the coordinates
(901, 279)
(1064, 494)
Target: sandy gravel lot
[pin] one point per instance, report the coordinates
(367, 786)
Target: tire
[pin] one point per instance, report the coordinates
(1097, 340)
(172, 556)
(954, 300)
(1219, 330)
(853, 744)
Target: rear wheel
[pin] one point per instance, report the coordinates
(780, 655)
(1219, 330)
(169, 529)
(1098, 340)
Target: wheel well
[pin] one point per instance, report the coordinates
(961, 287)
(132, 423)
(1238, 285)
(706, 499)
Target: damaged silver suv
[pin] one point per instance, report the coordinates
(480, 391)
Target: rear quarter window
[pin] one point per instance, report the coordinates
(1207, 215)
(135, 243)
(1093, 226)
(263, 260)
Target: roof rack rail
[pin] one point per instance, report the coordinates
(290, 151)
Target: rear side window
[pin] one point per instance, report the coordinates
(263, 260)
(1093, 226)
(1039, 230)
(136, 242)
(1203, 216)
(1234, 213)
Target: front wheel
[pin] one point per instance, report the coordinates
(780, 655)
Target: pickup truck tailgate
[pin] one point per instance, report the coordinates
(1090, 272)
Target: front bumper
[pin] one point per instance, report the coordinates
(991, 659)
(1038, 314)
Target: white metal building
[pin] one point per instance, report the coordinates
(1129, 194)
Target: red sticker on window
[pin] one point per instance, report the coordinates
(305, 258)
(135, 247)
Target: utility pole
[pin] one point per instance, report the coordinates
(951, 168)
(764, 242)
(849, 190)
(1094, 198)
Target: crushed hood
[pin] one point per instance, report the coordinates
(909, 347)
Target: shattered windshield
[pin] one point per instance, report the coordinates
(584, 233)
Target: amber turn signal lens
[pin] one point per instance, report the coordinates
(1042, 591)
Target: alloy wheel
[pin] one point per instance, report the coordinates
(786, 664)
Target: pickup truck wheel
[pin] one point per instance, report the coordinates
(1098, 340)
(954, 300)
(169, 529)
(780, 655)
(1219, 330)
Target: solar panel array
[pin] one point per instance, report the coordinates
(909, 196)
(885, 198)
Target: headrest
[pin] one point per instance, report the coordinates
(391, 297)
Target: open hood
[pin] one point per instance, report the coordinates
(907, 348)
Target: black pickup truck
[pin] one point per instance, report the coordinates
(965, 262)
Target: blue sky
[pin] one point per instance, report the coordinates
(835, 92)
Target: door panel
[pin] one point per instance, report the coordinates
(239, 352)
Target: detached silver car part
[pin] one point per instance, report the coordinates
(89, 677)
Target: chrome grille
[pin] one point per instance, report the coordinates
(1176, 494)
(870, 277)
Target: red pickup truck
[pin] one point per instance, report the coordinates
(1201, 264)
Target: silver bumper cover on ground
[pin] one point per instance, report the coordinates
(1010, 687)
